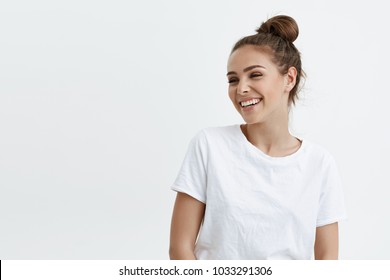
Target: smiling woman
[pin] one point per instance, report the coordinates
(253, 190)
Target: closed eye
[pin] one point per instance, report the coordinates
(256, 75)
(232, 81)
(253, 75)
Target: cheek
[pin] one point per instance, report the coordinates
(274, 92)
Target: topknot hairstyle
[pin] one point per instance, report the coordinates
(276, 36)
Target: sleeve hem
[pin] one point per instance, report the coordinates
(194, 195)
(331, 221)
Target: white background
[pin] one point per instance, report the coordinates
(99, 100)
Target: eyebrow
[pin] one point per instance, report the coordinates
(246, 69)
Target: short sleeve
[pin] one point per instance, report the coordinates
(332, 204)
(192, 177)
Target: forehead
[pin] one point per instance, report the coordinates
(249, 55)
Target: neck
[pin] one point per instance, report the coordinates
(272, 137)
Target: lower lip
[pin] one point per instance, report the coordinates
(250, 108)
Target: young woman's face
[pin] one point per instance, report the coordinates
(256, 88)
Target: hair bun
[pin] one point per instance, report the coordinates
(283, 26)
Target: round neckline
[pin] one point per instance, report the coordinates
(268, 157)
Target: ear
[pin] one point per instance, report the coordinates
(291, 78)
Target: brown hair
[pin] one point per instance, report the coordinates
(276, 36)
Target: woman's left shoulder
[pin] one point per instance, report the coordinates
(318, 151)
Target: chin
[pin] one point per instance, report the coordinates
(253, 121)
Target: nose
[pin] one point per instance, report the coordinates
(242, 87)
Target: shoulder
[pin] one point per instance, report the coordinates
(318, 153)
(215, 139)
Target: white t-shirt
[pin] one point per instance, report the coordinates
(258, 206)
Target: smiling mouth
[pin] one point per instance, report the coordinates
(251, 102)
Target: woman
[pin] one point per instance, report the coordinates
(254, 191)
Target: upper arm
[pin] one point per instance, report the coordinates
(187, 218)
(326, 245)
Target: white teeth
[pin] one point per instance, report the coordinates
(249, 102)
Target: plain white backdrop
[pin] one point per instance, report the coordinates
(99, 100)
